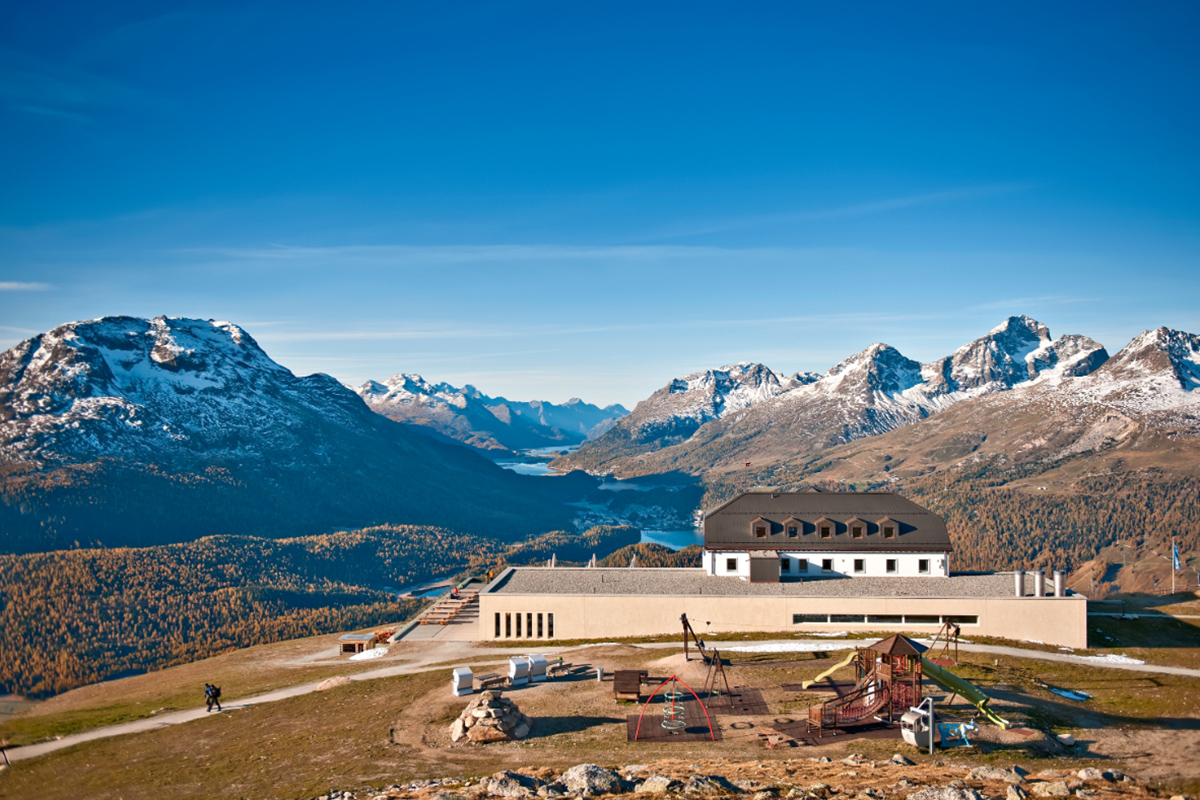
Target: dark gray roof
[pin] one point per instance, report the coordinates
(728, 527)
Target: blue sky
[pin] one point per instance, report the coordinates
(551, 200)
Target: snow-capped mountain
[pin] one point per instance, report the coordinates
(871, 392)
(164, 399)
(1140, 408)
(486, 423)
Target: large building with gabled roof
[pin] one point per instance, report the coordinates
(766, 537)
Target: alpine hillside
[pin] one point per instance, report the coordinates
(715, 422)
(122, 431)
(493, 424)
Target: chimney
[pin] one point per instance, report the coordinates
(1019, 582)
(1060, 583)
(1039, 583)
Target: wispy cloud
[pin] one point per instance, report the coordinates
(18, 286)
(36, 86)
(1030, 302)
(853, 210)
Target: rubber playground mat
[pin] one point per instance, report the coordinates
(742, 700)
(696, 727)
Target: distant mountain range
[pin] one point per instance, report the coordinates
(132, 431)
(716, 421)
(492, 424)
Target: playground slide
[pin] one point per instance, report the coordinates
(849, 660)
(966, 690)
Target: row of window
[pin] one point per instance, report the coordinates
(545, 625)
(884, 619)
(825, 528)
(891, 566)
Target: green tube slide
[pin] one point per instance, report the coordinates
(966, 690)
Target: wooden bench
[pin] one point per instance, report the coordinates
(627, 683)
(556, 669)
(489, 680)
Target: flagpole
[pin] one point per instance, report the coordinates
(1174, 550)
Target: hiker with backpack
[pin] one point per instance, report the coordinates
(212, 696)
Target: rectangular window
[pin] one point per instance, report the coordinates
(885, 619)
(508, 626)
(806, 619)
(891, 566)
(962, 619)
(760, 531)
(497, 624)
(857, 531)
(827, 564)
(923, 566)
(785, 565)
(529, 626)
(889, 531)
(550, 626)
(792, 530)
(843, 618)
(731, 565)
(539, 626)
(826, 531)
(802, 565)
(922, 619)
(518, 626)
(860, 565)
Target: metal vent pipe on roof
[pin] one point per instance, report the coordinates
(1019, 582)
(1060, 583)
(1039, 583)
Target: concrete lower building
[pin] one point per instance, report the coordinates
(541, 603)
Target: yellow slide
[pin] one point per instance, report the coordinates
(847, 662)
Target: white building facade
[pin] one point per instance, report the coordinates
(766, 537)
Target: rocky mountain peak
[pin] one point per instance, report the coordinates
(878, 368)
(1161, 352)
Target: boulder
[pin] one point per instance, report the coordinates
(458, 730)
(902, 760)
(1015, 792)
(658, 784)
(1090, 774)
(509, 784)
(945, 793)
(995, 774)
(589, 779)
(1050, 789)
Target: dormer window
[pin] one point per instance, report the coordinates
(825, 528)
(792, 527)
(889, 531)
(856, 527)
(888, 527)
(760, 528)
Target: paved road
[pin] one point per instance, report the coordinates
(434, 655)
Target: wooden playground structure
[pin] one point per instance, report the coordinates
(887, 683)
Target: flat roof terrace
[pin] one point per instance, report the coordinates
(696, 582)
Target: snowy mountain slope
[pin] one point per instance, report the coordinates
(677, 411)
(120, 405)
(869, 393)
(1140, 410)
(486, 423)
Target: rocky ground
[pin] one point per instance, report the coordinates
(851, 778)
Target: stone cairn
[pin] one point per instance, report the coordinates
(490, 718)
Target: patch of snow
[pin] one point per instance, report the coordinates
(366, 655)
(785, 647)
(1111, 658)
